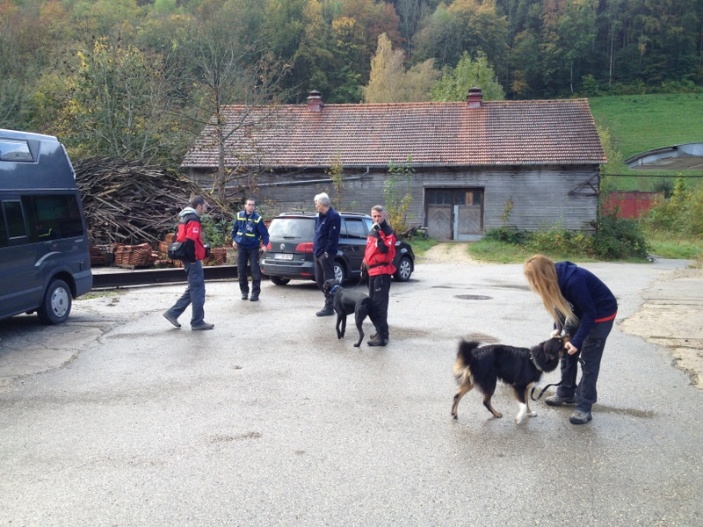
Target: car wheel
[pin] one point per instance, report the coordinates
(57, 303)
(404, 269)
(277, 280)
(340, 273)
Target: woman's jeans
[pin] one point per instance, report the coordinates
(194, 294)
(589, 356)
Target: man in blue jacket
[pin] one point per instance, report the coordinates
(249, 236)
(325, 244)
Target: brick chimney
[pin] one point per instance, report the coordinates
(474, 98)
(315, 103)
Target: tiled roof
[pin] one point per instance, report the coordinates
(432, 134)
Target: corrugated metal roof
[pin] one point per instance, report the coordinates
(432, 134)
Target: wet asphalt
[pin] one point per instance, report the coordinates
(118, 419)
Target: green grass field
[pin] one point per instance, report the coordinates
(642, 122)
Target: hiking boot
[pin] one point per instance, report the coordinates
(173, 320)
(374, 336)
(326, 312)
(254, 298)
(245, 296)
(557, 400)
(202, 327)
(580, 417)
(378, 341)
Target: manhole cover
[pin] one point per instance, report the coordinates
(472, 297)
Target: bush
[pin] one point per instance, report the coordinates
(507, 234)
(618, 238)
(681, 213)
(558, 240)
(615, 239)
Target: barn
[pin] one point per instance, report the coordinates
(468, 166)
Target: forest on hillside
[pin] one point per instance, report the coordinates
(137, 79)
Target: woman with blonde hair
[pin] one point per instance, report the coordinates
(582, 305)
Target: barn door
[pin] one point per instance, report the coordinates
(468, 217)
(439, 222)
(454, 214)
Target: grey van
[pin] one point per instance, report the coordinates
(44, 256)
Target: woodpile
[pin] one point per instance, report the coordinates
(129, 203)
(135, 256)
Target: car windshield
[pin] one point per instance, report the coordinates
(292, 228)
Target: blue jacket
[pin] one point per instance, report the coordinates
(249, 231)
(591, 300)
(327, 233)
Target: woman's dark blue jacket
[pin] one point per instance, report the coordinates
(590, 298)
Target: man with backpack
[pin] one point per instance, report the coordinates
(190, 235)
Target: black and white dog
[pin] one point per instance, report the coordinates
(346, 302)
(483, 366)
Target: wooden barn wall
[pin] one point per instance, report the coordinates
(540, 196)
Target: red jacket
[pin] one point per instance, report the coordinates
(380, 251)
(190, 230)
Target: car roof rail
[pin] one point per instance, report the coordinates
(309, 214)
(297, 213)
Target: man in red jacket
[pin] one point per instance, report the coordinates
(378, 258)
(190, 233)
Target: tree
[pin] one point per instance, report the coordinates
(31, 39)
(577, 31)
(387, 71)
(314, 59)
(348, 50)
(390, 82)
(526, 66)
(397, 202)
(455, 82)
(464, 25)
(118, 106)
(336, 172)
(229, 68)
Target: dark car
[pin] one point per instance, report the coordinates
(289, 255)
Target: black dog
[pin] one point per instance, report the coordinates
(483, 366)
(345, 303)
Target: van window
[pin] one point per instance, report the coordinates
(3, 230)
(53, 216)
(15, 219)
(15, 151)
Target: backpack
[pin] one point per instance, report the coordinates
(179, 251)
(185, 250)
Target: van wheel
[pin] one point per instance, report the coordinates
(57, 303)
(277, 280)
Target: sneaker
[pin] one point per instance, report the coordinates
(378, 342)
(557, 400)
(173, 320)
(327, 312)
(202, 327)
(254, 298)
(580, 417)
(245, 296)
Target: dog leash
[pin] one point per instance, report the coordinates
(532, 392)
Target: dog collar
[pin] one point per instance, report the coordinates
(534, 361)
(334, 289)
